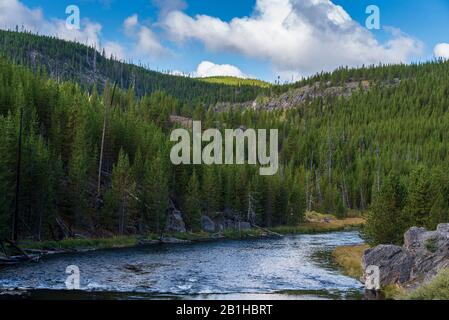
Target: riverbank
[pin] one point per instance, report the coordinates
(349, 258)
(316, 223)
(323, 225)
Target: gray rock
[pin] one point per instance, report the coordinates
(175, 222)
(423, 256)
(394, 262)
(413, 239)
(207, 224)
(443, 228)
(245, 226)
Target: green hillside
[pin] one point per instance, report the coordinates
(65, 60)
(385, 150)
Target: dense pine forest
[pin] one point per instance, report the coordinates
(87, 66)
(384, 150)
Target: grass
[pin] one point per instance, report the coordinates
(438, 289)
(432, 245)
(350, 259)
(189, 236)
(234, 81)
(322, 223)
(130, 241)
(393, 292)
(71, 244)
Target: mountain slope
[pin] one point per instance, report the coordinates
(76, 62)
(384, 147)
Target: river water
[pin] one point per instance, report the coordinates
(293, 267)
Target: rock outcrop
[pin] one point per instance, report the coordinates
(423, 255)
(222, 221)
(207, 224)
(175, 222)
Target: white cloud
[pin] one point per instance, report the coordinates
(146, 41)
(210, 69)
(296, 36)
(131, 23)
(441, 51)
(166, 6)
(14, 13)
(115, 49)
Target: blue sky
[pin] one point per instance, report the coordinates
(318, 34)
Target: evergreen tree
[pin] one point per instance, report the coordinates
(192, 207)
(119, 197)
(385, 223)
(420, 198)
(155, 191)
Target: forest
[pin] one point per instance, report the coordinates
(88, 66)
(384, 151)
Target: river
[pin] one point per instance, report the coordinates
(293, 267)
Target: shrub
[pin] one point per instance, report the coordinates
(438, 289)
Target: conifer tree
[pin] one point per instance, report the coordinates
(156, 193)
(192, 207)
(385, 222)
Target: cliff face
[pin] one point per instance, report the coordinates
(424, 254)
(301, 96)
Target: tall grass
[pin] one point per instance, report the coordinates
(438, 289)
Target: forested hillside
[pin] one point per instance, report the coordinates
(85, 65)
(385, 149)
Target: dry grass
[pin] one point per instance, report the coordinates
(321, 223)
(350, 259)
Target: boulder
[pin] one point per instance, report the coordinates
(175, 222)
(443, 228)
(245, 226)
(394, 262)
(226, 220)
(431, 252)
(413, 239)
(424, 254)
(229, 224)
(207, 224)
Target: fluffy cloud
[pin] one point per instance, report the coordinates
(131, 23)
(210, 69)
(13, 13)
(441, 51)
(296, 36)
(166, 6)
(146, 41)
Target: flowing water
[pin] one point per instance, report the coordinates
(293, 267)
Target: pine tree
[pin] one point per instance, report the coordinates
(385, 223)
(8, 160)
(419, 199)
(210, 192)
(156, 193)
(121, 192)
(193, 204)
(439, 212)
(296, 204)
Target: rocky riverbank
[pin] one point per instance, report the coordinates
(423, 255)
(417, 270)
